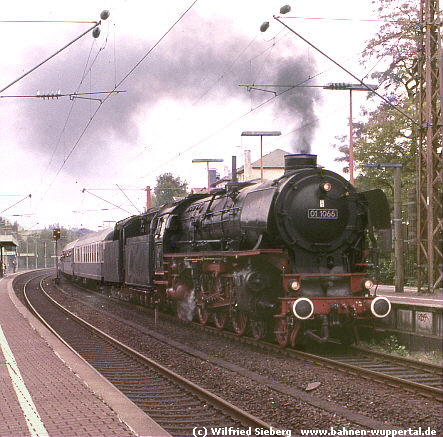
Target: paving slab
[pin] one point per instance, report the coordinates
(47, 389)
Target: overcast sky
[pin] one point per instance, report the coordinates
(181, 96)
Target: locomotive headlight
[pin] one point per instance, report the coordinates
(294, 285)
(325, 186)
(366, 284)
(303, 308)
(380, 307)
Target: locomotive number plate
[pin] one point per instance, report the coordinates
(323, 214)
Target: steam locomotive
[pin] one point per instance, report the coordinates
(286, 257)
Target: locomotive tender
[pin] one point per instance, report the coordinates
(285, 256)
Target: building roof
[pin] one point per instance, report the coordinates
(8, 240)
(274, 159)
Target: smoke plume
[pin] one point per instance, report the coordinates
(211, 61)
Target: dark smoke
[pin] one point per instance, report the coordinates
(183, 67)
(300, 103)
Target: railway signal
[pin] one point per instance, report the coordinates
(56, 237)
(56, 234)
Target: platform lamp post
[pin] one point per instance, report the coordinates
(351, 87)
(261, 134)
(208, 160)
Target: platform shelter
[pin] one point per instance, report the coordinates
(7, 243)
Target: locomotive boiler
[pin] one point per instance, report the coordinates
(287, 256)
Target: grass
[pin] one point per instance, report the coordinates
(391, 345)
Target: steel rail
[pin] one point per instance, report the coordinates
(220, 404)
(419, 365)
(359, 370)
(434, 392)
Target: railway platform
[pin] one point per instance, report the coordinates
(411, 296)
(47, 389)
(416, 318)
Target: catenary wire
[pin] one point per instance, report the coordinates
(130, 72)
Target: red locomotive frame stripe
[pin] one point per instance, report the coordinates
(323, 305)
(222, 253)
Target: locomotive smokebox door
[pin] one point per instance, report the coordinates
(316, 210)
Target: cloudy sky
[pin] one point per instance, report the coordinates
(178, 67)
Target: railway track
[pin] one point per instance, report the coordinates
(400, 372)
(177, 404)
(416, 376)
(424, 377)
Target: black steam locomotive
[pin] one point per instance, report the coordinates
(285, 256)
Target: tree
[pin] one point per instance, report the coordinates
(40, 244)
(343, 149)
(168, 187)
(388, 136)
(397, 41)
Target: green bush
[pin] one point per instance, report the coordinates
(386, 272)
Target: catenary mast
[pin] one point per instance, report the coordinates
(429, 156)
